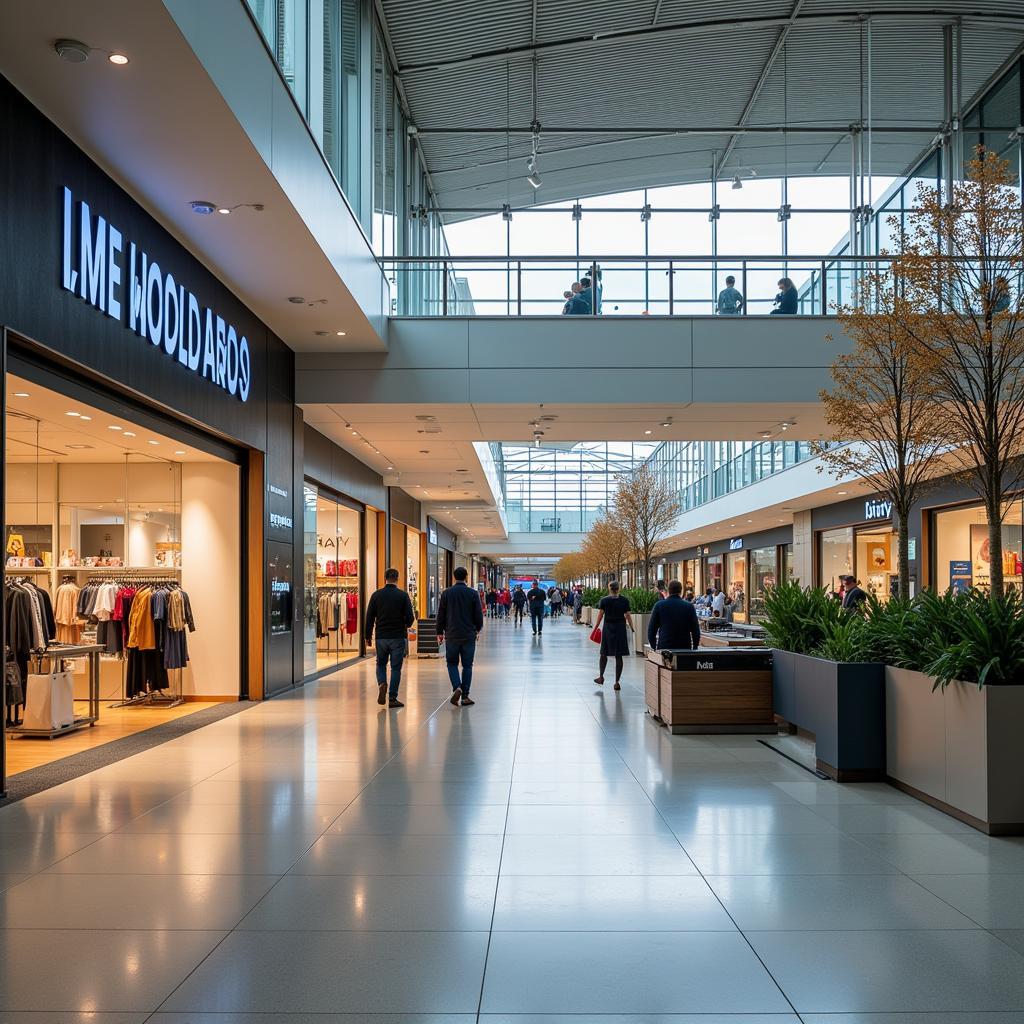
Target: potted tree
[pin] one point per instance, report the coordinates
(641, 603)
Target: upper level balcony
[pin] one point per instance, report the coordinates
(674, 286)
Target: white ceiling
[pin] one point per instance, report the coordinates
(161, 128)
(40, 429)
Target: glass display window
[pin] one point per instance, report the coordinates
(876, 562)
(736, 585)
(835, 557)
(713, 573)
(691, 575)
(412, 567)
(788, 572)
(763, 576)
(960, 547)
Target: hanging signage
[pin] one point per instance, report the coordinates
(432, 534)
(118, 278)
(877, 509)
(736, 544)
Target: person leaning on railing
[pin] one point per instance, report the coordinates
(730, 299)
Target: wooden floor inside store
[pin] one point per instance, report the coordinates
(24, 753)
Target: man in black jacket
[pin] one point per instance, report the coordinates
(535, 599)
(673, 622)
(390, 610)
(459, 620)
(518, 603)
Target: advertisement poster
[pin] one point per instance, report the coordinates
(960, 577)
(981, 560)
(168, 554)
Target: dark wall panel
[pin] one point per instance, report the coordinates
(336, 468)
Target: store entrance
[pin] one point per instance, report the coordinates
(122, 542)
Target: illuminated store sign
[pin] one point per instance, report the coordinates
(736, 544)
(156, 307)
(877, 509)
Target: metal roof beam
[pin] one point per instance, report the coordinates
(762, 78)
(549, 130)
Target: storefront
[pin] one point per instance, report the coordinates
(858, 538)
(441, 545)
(342, 548)
(151, 442)
(959, 545)
(408, 547)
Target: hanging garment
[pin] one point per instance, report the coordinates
(178, 620)
(351, 612)
(141, 628)
(65, 612)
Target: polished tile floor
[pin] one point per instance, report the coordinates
(548, 856)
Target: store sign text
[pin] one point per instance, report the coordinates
(736, 544)
(877, 509)
(156, 307)
(281, 522)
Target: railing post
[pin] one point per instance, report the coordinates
(824, 289)
(519, 287)
(671, 288)
(746, 295)
(444, 288)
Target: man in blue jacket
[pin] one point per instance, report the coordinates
(459, 620)
(535, 597)
(673, 624)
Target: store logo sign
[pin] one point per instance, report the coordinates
(279, 491)
(736, 544)
(877, 509)
(156, 307)
(432, 535)
(281, 522)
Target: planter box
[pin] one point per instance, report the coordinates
(588, 615)
(842, 705)
(639, 638)
(958, 749)
(714, 692)
(652, 688)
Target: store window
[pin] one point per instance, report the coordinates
(691, 575)
(876, 562)
(333, 560)
(736, 585)
(131, 538)
(961, 548)
(836, 557)
(786, 552)
(763, 576)
(713, 569)
(412, 567)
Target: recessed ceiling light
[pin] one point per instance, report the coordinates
(296, 300)
(85, 417)
(391, 467)
(118, 58)
(321, 334)
(21, 394)
(224, 210)
(179, 453)
(72, 414)
(648, 432)
(340, 334)
(203, 207)
(114, 426)
(129, 433)
(841, 492)
(356, 432)
(154, 442)
(78, 446)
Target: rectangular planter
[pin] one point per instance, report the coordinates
(843, 705)
(588, 615)
(959, 749)
(640, 636)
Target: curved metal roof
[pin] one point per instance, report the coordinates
(651, 92)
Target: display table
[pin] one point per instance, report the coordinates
(730, 638)
(57, 654)
(711, 691)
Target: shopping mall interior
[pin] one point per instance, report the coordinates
(465, 555)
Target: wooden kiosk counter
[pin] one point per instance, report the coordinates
(711, 690)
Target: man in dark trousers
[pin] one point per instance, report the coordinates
(390, 610)
(459, 620)
(673, 622)
(535, 599)
(518, 603)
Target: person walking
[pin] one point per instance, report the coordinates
(459, 621)
(718, 602)
(853, 596)
(535, 599)
(555, 596)
(673, 624)
(504, 602)
(389, 611)
(613, 610)
(730, 300)
(577, 605)
(785, 301)
(492, 603)
(518, 604)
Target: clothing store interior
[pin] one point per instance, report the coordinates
(120, 545)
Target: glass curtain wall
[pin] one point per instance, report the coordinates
(700, 471)
(564, 489)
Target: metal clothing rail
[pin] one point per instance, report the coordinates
(61, 653)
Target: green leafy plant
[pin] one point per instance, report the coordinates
(641, 600)
(982, 640)
(795, 617)
(846, 639)
(591, 596)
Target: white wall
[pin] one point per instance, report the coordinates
(211, 575)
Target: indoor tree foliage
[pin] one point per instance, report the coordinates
(882, 402)
(607, 548)
(647, 509)
(961, 273)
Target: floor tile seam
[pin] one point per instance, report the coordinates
(718, 900)
(501, 857)
(211, 952)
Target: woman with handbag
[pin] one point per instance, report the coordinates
(613, 610)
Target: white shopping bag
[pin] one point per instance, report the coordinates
(49, 701)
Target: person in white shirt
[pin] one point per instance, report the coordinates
(718, 603)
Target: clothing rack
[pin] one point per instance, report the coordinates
(60, 653)
(145, 577)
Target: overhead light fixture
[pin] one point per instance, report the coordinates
(534, 179)
(577, 212)
(841, 492)
(506, 213)
(340, 334)
(737, 183)
(72, 414)
(785, 212)
(114, 426)
(21, 394)
(129, 433)
(645, 213)
(154, 442)
(85, 417)
(117, 58)
(296, 300)
(73, 51)
(766, 434)
(203, 207)
(715, 213)
(179, 452)
(648, 432)
(225, 210)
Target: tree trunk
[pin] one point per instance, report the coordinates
(993, 509)
(903, 552)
